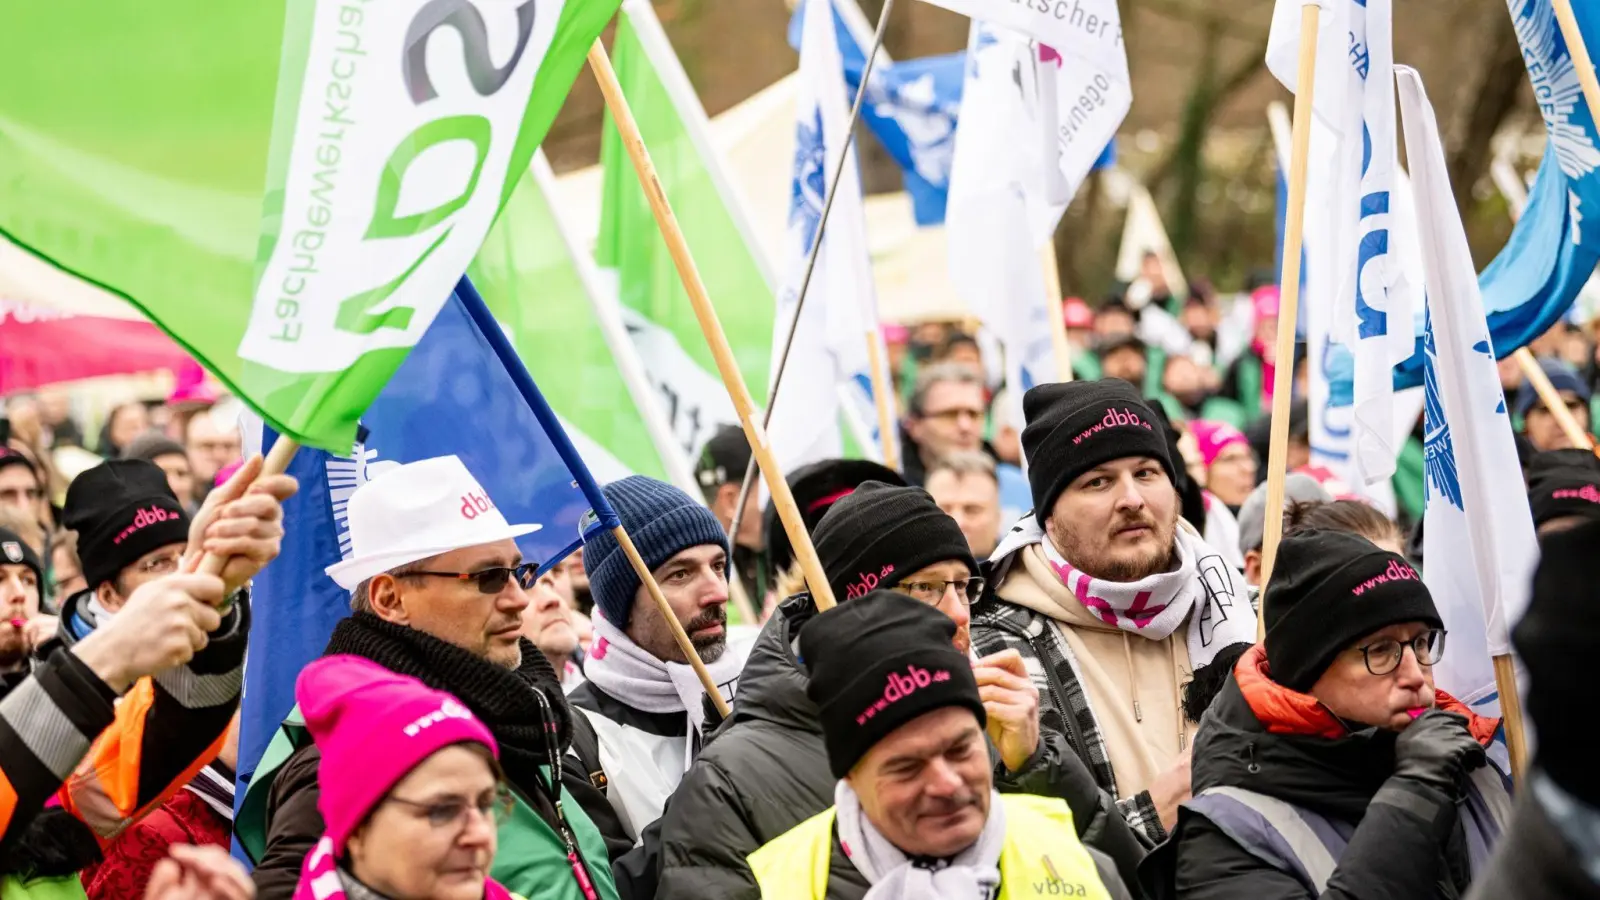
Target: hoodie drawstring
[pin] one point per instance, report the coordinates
(1133, 678)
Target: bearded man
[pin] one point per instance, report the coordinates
(1127, 621)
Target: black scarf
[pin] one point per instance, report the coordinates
(500, 697)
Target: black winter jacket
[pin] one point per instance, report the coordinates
(1407, 840)
(1535, 861)
(765, 770)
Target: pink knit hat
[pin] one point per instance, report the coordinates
(1265, 300)
(1214, 437)
(374, 726)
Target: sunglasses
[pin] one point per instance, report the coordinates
(490, 581)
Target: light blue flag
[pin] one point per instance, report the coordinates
(1555, 245)
(462, 391)
(912, 107)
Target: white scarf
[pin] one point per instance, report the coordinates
(624, 670)
(1154, 606)
(972, 874)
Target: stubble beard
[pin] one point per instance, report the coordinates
(1097, 563)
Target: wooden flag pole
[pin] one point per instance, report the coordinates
(276, 463)
(727, 367)
(1581, 63)
(883, 398)
(1057, 306)
(1552, 399)
(1289, 298)
(1505, 682)
(682, 637)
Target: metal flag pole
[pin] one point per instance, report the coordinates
(811, 263)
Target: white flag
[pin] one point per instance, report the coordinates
(1372, 301)
(830, 340)
(1478, 539)
(996, 220)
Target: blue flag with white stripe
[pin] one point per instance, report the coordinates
(1555, 245)
(912, 107)
(461, 391)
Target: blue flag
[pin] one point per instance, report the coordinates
(912, 107)
(1555, 245)
(462, 391)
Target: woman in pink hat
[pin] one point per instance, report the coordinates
(1229, 463)
(411, 789)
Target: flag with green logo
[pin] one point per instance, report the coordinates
(736, 274)
(291, 188)
(528, 276)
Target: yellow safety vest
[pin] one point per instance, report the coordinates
(1042, 856)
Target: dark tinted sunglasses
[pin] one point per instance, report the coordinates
(491, 581)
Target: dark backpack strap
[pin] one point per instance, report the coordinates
(586, 747)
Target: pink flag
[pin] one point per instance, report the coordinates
(40, 346)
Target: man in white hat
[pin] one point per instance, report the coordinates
(437, 589)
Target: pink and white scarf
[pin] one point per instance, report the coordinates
(1204, 590)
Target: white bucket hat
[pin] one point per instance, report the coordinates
(415, 511)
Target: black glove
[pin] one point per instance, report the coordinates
(1437, 750)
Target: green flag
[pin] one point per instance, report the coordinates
(736, 274)
(528, 277)
(291, 188)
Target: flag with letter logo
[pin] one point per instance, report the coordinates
(1479, 545)
(289, 188)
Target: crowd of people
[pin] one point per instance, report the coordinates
(1036, 683)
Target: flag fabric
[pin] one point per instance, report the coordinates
(1556, 243)
(545, 291)
(1372, 299)
(461, 391)
(290, 189)
(41, 346)
(1478, 533)
(840, 315)
(910, 106)
(998, 218)
(736, 272)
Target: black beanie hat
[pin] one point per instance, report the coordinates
(877, 663)
(1076, 426)
(1328, 589)
(1556, 638)
(15, 551)
(816, 488)
(1564, 491)
(880, 534)
(121, 510)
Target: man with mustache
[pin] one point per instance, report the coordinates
(915, 812)
(1126, 620)
(437, 588)
(642, 695)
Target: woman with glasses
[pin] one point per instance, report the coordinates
(412, 792)
(1330, 765)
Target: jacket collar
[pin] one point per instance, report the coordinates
(1289, 712)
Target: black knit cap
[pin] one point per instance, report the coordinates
(1328, 590)
(1556, 639)
(1554, 493)
(121, 510)
(1076, 426)
(880, 534)
(723, 459)
(816, 488)
(15, 551)
(877, 663)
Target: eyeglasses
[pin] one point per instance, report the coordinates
(452, 814)
(165, 564)
(968, 590)
(491, 581)
(1383, 656)
(955, 415)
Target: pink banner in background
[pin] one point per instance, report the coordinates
(40, 346)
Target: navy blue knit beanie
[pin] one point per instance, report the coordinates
(662, 521)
